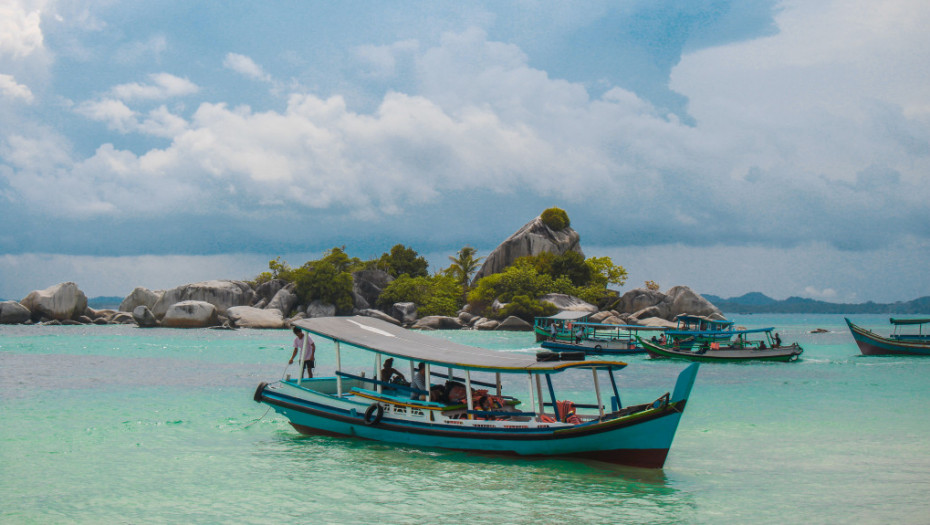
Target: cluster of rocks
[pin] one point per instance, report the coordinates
(274, 304)
(235, 304)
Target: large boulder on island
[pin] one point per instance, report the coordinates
(514, 324)
(140, 296)
(638, 299)
(12, 312)
(486, 324)
(222, 294)
(367, 286)
(378, 314)
(190, 314)
(568, 302)
(61, 301)
(144, 317)
(642, 303)
(285, 300)
(318, 308)
(405, 312)
(438, 322)
(250, 317)
(684, 300)
(268, 289)
(533, 238)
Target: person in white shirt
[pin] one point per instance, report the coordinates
(309, 351)
(419, 382)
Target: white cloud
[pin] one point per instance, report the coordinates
(115, 113)
(826, 294)
(163, 86)
(139, 51)
(11, 89)
(381, 61)
(822, 95)
(485, 120)
(245, 66)
(20, 31)
(117, 276)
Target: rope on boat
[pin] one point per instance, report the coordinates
(269, 407)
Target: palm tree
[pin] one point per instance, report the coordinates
(464, 265)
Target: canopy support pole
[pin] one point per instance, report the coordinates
(539, 396)
(532, 393)
(427, 382)
(338, 372)
(469, 398)
(555, 404)
(378, 371)
(597, 392)
(300, 362)
(613, 383)
(498, 384)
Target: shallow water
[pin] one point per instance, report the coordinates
(120, 424)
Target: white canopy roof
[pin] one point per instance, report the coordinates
(380, 336)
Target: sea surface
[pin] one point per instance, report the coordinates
(117, 424)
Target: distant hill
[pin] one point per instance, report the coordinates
(104, 303)
(758, 303)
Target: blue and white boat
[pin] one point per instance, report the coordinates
(483, 420)
(601, 339)
(898, 343)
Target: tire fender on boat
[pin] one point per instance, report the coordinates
(259, 391)
(375, 410)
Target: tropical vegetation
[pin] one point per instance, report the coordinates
(514, 291)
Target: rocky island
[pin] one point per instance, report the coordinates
(546, 253)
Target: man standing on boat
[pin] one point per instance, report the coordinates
(309, 351)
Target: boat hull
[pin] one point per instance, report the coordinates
(873, 344)
(594, 347)
(641, 439)
(779, 354)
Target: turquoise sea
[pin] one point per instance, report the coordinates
(116, 424)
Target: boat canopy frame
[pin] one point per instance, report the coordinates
(381, 337)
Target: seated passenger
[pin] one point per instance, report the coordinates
(388, 373)
(437, 393)
(419, 382)
(455, 392)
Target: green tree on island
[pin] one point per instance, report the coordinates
(328, 280)
(402, 260)
(464, 265)
(529, 278)
(439, 294)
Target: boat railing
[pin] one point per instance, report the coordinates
(388, 398)
(499, 413)
(578, 405)
(396, 386)
(461, 380)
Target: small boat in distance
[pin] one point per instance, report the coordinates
(741, 348)
(599, 339)
(897, 343)
(696, 330)
(454, 415)
(561, 323)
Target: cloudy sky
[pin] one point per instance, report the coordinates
(728, 145)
